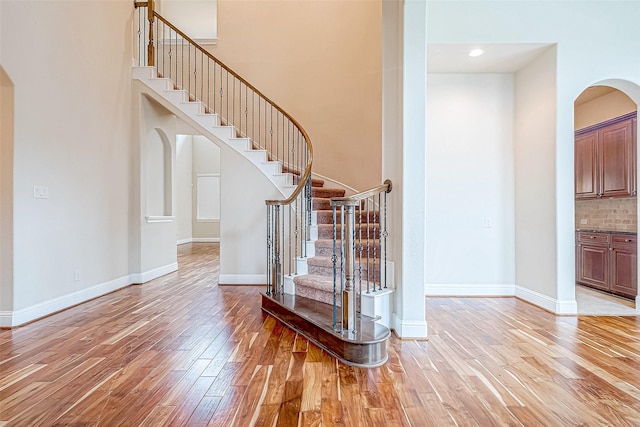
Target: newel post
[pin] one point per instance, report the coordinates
(150, 47)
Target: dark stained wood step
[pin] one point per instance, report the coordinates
(367, 348)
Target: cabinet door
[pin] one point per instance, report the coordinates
(586, 175)
(624, 275)
(615, 153)
(593, 266)
(634, 157)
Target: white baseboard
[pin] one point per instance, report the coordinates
(546, 302)
(243, 279)
(10, 319)
(489, 290)
(409, 329)
(153, 274)
(36, 311)
(199, 240)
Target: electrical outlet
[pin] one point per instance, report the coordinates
(40, 192)
(488, 223)
(76, 275)
(583, 221)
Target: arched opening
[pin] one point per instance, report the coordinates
(159, 173)
(606, 205)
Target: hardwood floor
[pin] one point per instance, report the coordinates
(181, 351)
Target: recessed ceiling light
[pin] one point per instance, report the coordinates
(476, 52)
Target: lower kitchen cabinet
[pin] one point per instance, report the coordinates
(607, 262)
(623, 263)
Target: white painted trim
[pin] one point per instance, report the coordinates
(198, 240)
(567, 307)
(153, 274)
(243, 279)
(153, 219)
(536, 298)
(6, 319)
(205, 240)
(489, 290)
(408, 329)
(16, 318)
(28, 314)
(207, 219)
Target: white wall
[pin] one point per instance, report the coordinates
(72, 135)
(152, 234)
(196, 155)
(586, 54)
(6, 191)
(206, 160)
(535, 124)
(470, 185)
(184, 187)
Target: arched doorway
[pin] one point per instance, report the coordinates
(606, 205)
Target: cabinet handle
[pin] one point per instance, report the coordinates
(627, 240)
(593, 237)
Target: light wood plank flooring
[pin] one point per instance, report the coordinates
(181, 351)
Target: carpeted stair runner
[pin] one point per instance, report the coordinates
(318, 283)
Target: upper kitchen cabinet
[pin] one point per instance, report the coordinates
(605, 164)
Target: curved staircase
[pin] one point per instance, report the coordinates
(308, 296)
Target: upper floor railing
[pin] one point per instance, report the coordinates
(253, 115)
(223, 92)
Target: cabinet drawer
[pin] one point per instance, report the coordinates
(593, 237)
(624, 239)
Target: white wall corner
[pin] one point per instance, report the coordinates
(409, 329)
(6, 319)
(566, 307)
(153, 274)
(37, 311)
(242, 279)
(467, 290)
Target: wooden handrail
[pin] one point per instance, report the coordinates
(307, 172)
(353, 200)
(306, 175)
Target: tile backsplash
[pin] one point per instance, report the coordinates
(617, 214)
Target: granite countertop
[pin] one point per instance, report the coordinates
(606, 231)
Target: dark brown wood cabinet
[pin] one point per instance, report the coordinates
(607, 261)
(604, 159)
(623, 263)
(593, 260)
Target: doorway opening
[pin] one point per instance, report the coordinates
(606, 205)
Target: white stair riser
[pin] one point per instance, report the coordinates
(211, 123)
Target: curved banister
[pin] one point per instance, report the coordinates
(304, 175)
(307, 172)
(352, 200)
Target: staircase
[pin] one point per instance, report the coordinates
(312, 305)
(314, 284)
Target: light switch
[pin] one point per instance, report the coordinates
(40, 192)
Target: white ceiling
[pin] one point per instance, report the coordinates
(498, 57)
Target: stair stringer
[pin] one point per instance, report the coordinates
(192, 112)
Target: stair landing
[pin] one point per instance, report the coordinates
(365, 348)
